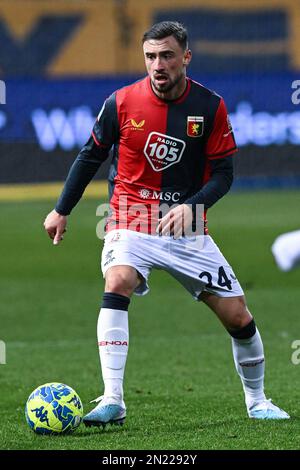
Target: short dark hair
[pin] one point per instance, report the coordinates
(168, 28)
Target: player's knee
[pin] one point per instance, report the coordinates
(237, 323)
(239, 316)
(119, 283)
(240, 323)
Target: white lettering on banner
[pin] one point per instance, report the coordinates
(3, 119)
(69, 130)
(296, 94)
(2, 92)
(64, 129)
(263, 128)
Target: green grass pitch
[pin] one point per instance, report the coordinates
(181, 388)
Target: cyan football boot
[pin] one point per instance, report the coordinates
(108, 410)
(267, 410)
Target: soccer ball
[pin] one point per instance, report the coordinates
(53, 408)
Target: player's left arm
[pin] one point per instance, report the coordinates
(221, 178)
(220, 148)
(180, 218)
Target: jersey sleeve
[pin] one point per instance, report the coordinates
(106, 128)
(91, 156)
(221, 142)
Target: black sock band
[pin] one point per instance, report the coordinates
(115, 301)
(244, 333)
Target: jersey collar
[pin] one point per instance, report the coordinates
(160, 101)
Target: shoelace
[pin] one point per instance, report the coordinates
(266, 405)
(98, 399)
(263, 404)
(267, 401)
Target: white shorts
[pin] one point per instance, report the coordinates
(196, 262)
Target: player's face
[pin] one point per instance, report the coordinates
(166, 65)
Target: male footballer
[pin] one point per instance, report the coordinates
(172, 144)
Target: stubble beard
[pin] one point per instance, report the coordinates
(166, 87)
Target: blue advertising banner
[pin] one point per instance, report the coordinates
(44, 123)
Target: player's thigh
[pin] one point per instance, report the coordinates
(231, 311)
(200, 266)
(122, 280)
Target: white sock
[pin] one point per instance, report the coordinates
(112, 330)
(249, 361)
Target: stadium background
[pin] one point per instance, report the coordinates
(63, 58)
(59, 60)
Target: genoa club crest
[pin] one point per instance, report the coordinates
(195, 126)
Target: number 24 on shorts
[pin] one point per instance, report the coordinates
(223, 279)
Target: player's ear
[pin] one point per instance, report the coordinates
(187, 57)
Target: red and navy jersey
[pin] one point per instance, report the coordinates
(161, 149)
(164, 153)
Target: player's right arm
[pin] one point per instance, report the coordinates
(105, 133)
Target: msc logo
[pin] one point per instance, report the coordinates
(159, 195)
(137, 126)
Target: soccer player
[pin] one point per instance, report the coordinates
(172, 143)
